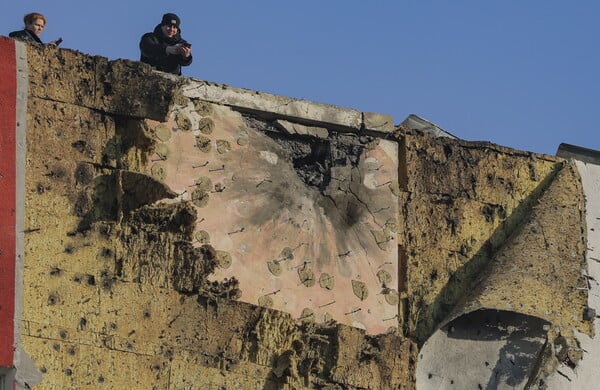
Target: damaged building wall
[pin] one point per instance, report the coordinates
(119, 290)
(186, 234)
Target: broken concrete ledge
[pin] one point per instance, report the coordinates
(295, 110)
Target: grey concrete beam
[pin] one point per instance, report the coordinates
(378, 122)
(295, 110)
(295, 128)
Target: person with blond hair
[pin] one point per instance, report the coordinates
(35, 23)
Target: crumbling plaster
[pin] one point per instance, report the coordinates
(171, 224)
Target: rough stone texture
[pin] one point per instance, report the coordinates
(152, 214)
(116, 87)
(462, 202)
(120, 291)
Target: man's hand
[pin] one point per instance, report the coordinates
(179, 50)
(55, 42)
(186, 51)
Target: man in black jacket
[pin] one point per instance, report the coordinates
(164, 48)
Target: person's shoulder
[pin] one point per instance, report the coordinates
(149, 35)
(15, 34)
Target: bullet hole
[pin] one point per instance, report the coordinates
(487, 364)
(113, 326)
(91, 280)
(168, 354)
(52, 299)
(433, 276)
(84, 174)
(82, 323)
(146, 314)
(43, 370)
(155, 367)
(100, 379)
(129, 346)
(106, 252)
(71, 351)
(56, 347)
(107, 279)
(447, 150)
(83, 204)
(40, 188)
(77, 278)
(69, 249)
(479, 386)
(429, 376)
(55, 271)
(452, 381)
(56, 172)
(68, 372)
(63, 334)
(79, 145)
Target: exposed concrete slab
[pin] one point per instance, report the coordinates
(485, 349)
(296, 110)
(295, 128)
(416, 122)
(378, 122)
(579, 153)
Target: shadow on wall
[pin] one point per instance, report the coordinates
(468, 276)
(485, 349)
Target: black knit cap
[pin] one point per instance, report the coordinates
(170, 20)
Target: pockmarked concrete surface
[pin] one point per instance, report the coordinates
(586, 375)
(305, 218)
(115, 289)
(532, 291)
(186, 234)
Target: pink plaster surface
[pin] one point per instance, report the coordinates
(259, 210)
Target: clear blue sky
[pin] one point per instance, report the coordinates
(523, 74)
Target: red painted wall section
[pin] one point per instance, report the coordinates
(8, 125)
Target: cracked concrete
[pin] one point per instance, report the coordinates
(185, 234)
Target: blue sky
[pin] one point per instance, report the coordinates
(522, 74)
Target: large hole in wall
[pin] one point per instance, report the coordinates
(313, 158)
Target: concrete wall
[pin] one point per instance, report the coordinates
(185, 234)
